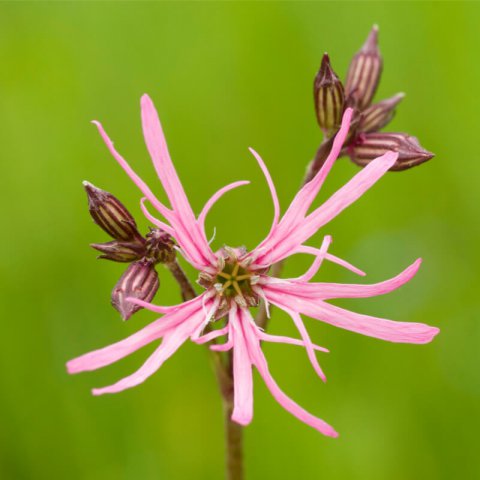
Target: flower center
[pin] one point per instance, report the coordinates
(233, 281)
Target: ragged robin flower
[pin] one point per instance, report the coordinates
(365, 142)
(235, 279)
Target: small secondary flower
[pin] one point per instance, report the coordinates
(235, 279)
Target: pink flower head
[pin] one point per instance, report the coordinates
(235, 279)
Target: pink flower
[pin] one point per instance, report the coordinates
(235, 279)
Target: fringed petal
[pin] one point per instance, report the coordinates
(187, 231)
(158, 223)
(242, 371)
(258, 359)
(172, 340)
(340, 200)
(167, 213)
(308, 344)
(400, 332)
(273, 191)
(153, 331)
(266, 337)
(327, 291)
(214, 199)
(302, 201)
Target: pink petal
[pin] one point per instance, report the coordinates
(327, 240)
(158, 223)
(258, 359)
(172, 340)
(214, 198)
(273, 191)
(188, 234)
(348, 194)
(344, 264)
(157, 146)
(222, 347)
(340, 200)
(401, 332)
(180, 232)
(188, 306)
(327, 256)
(130, 172)
(308, 344)
(305, 197)
(242, 373)
(265, 337)
(326, 291)
(210, 336)
(112, 353)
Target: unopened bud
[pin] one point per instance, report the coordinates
(110, 214)
(120, 251)
(364, 72)
(366, 147)
(160, 246)
(376, 116)
(329, 97)
(141, 281)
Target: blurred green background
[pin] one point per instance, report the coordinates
(226, 76)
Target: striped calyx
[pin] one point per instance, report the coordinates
(140, 281)
(120, 251)
(329, 98)
(376, 116)
(364, 72)
(110, 214)
(368, 146)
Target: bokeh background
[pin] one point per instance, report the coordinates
(226, 76)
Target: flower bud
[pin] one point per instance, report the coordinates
(368, 146)
(376, 116)
(364, 72)
(329, 98)
(110, 214)
(120, 251)
(141, 281)
(159, 246)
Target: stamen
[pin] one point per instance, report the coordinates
(244, 277)
(235, 270)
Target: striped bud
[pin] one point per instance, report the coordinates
(329, 98)
(141, 281)
(376, 116)
(120, 251)
(368, 146)
(364, 72)
(159, 246)
(110, 215)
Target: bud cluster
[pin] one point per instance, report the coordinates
(140, 280)
(364, 143)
